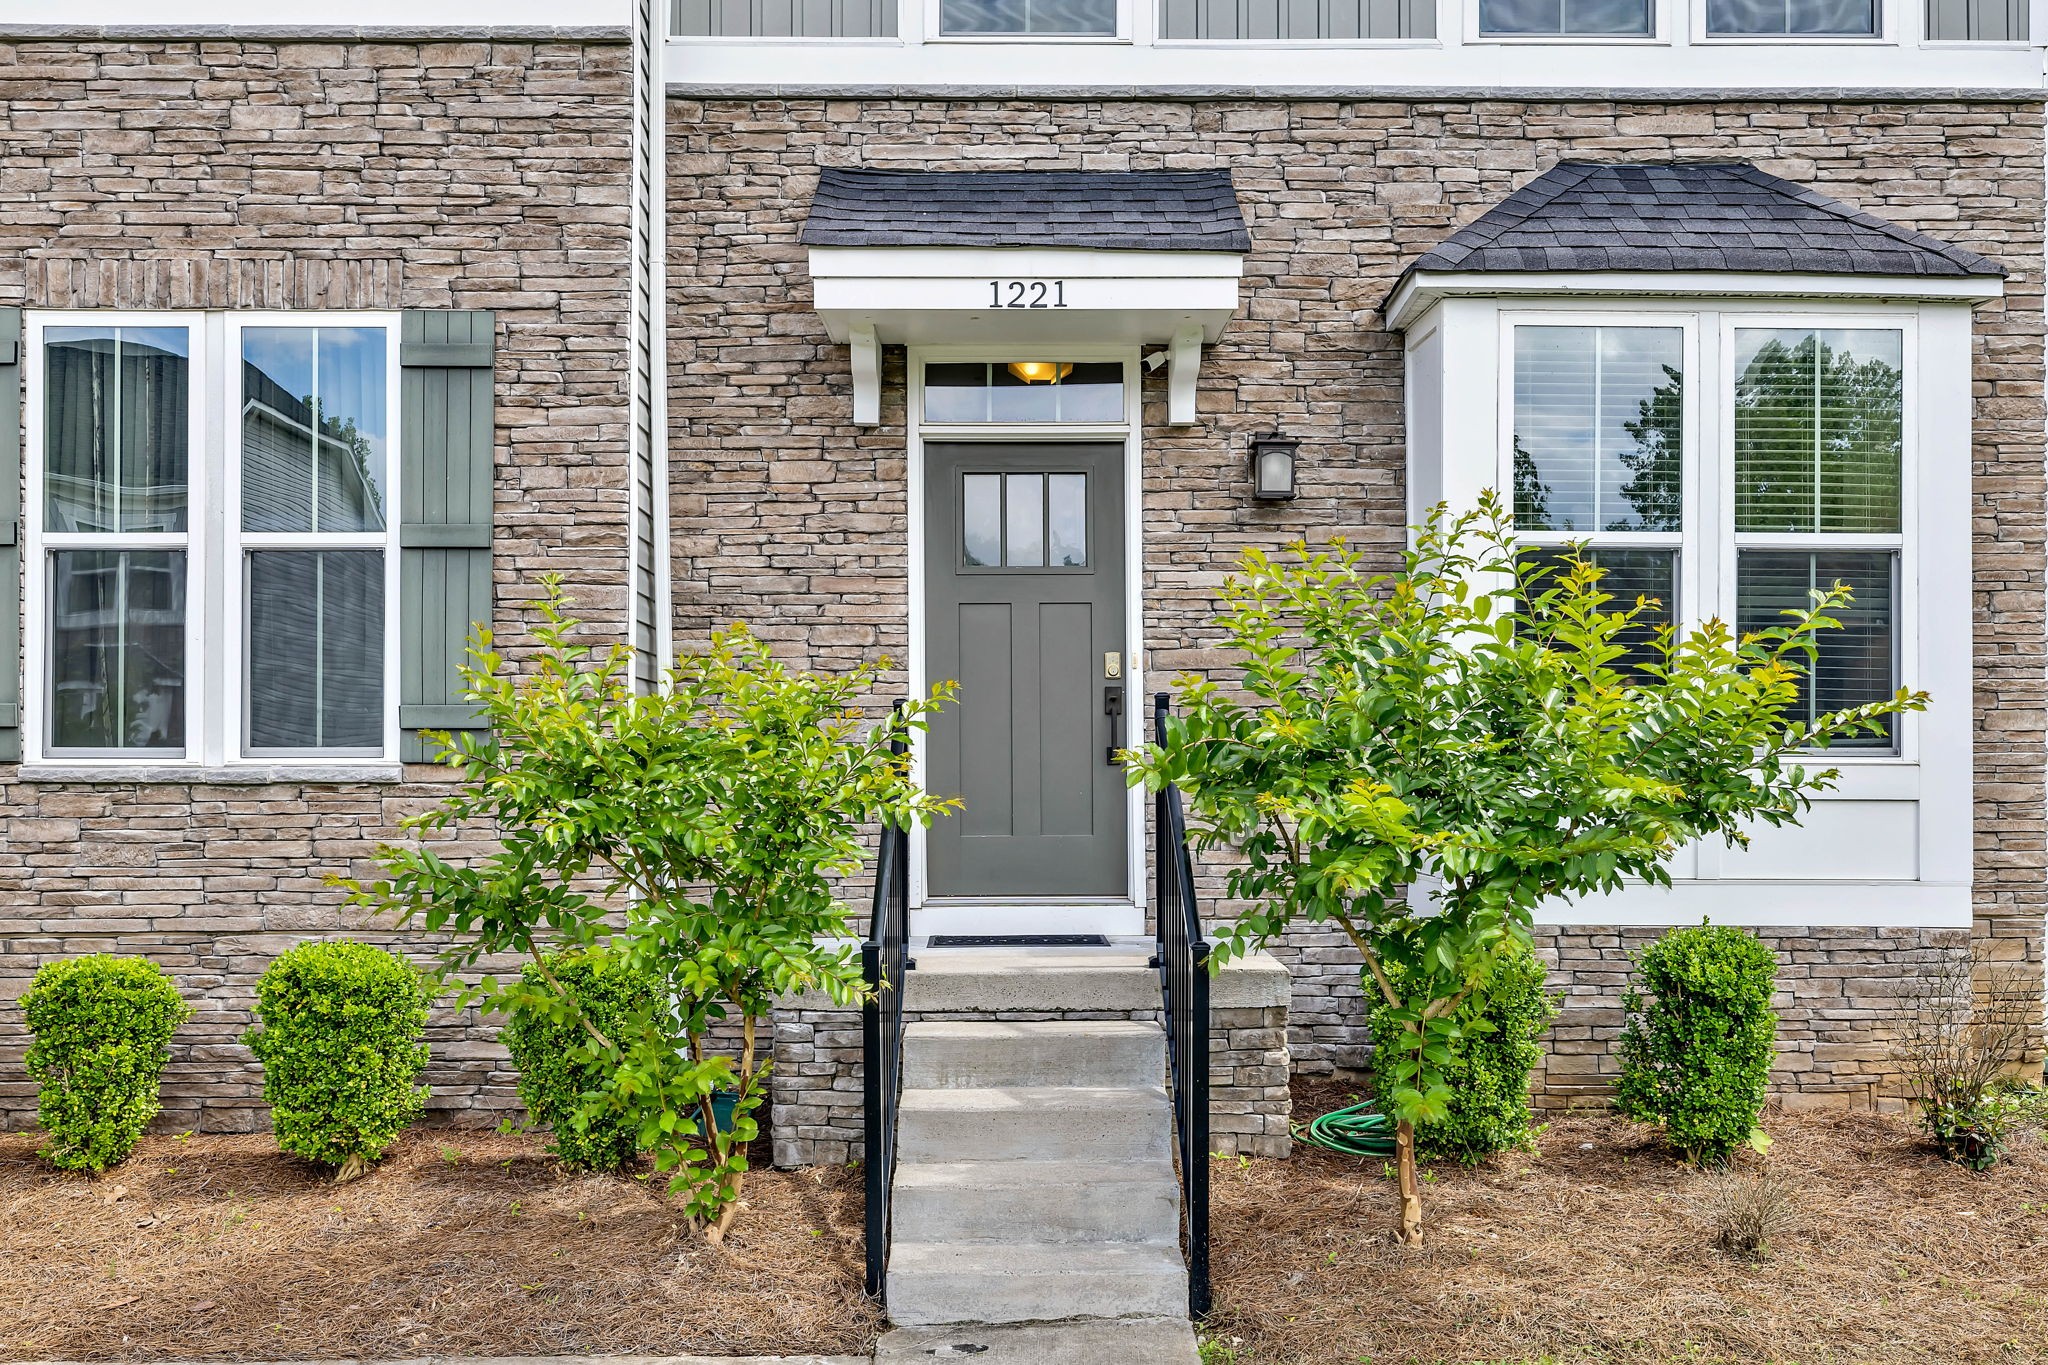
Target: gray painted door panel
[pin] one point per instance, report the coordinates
(1025, 745)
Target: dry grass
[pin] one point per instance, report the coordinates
(461, 1243)
(1595, 1249)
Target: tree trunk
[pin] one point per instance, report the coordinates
(1411, 1189)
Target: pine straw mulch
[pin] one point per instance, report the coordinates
(460, 1243)
(1594, 1248)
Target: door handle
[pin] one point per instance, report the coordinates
(1113, 707)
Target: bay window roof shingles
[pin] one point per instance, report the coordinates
(1682, 216)
(1107, 210)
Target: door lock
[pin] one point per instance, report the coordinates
(1112, 665)
(1113, 707)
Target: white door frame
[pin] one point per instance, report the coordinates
(1119, 916)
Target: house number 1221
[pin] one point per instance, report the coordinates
(1027, 293)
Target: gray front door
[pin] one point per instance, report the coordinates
(1025, 591)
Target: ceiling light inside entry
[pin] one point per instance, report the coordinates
(1041, 371)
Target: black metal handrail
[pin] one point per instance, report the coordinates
(1182, 959)
(883, 961)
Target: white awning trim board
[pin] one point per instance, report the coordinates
(870, 297)
(1414, 295)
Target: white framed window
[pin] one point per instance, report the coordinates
(1031, 20)
(1575, 20)
(1778, 21)
(211, 538)
(1806, 481)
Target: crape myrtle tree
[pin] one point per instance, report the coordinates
(689, 839)
(1420, 758)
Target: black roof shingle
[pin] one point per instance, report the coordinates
(1117, 210)
(1594, 216)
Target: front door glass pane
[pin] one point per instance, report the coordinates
(117, 650)
(1025, 496)
(117, 448)
(981, 503)
(1066, 519)
(313, 428)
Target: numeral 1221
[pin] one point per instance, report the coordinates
(1027, 293)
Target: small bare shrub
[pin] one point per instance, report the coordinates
(1968, 1027)
(1748, 1209)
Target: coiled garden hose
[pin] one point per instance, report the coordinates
(1359, 1130)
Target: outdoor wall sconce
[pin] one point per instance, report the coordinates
(1273, 466)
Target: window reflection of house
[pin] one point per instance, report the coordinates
(118, 440)
(117, 638)
(299, 473)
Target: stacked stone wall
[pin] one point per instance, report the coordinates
(243, 175)
(791, 517)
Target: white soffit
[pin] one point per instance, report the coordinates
(1418, 292)
(948, 296)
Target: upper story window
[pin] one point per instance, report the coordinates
(1028, 18)
(161, 632)
(1793, 18)
(1565, 18)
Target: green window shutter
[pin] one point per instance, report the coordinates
(10, 534)
(446, 441)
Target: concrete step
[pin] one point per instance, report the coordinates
(1037, 1201)
(1026, 980)
(953, 1053)
(1034, 1123)
(1130, 1341)
(936, 1282)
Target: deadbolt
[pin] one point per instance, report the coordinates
(1112, 665)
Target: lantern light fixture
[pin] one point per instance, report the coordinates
(1273, 466)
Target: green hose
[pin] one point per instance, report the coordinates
(1359, 1130)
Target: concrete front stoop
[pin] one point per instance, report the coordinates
(1035, 1177)
(1127, 1341)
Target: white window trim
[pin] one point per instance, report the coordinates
(214, 545)
(1933, 768)
(232, 731)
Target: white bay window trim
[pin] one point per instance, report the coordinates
(215, 547)
(1892, 844)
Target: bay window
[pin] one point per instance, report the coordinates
(1810, 461)
(211, 556)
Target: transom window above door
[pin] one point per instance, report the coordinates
(1024, 391)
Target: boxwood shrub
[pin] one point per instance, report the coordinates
(341, 1051)
(1488, 1073)
(1698, 1038)
(102, 1027)
(551, 1082)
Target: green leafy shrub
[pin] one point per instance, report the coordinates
(102, 1027)
(341, 1051)
(558, 1072)
(1697, 1043)
(1488, 1068)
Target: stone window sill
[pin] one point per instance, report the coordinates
(241, 774)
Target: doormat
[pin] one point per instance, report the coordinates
(1018, 941)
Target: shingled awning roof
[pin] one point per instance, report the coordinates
(1109, 210)
(1596, 216)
